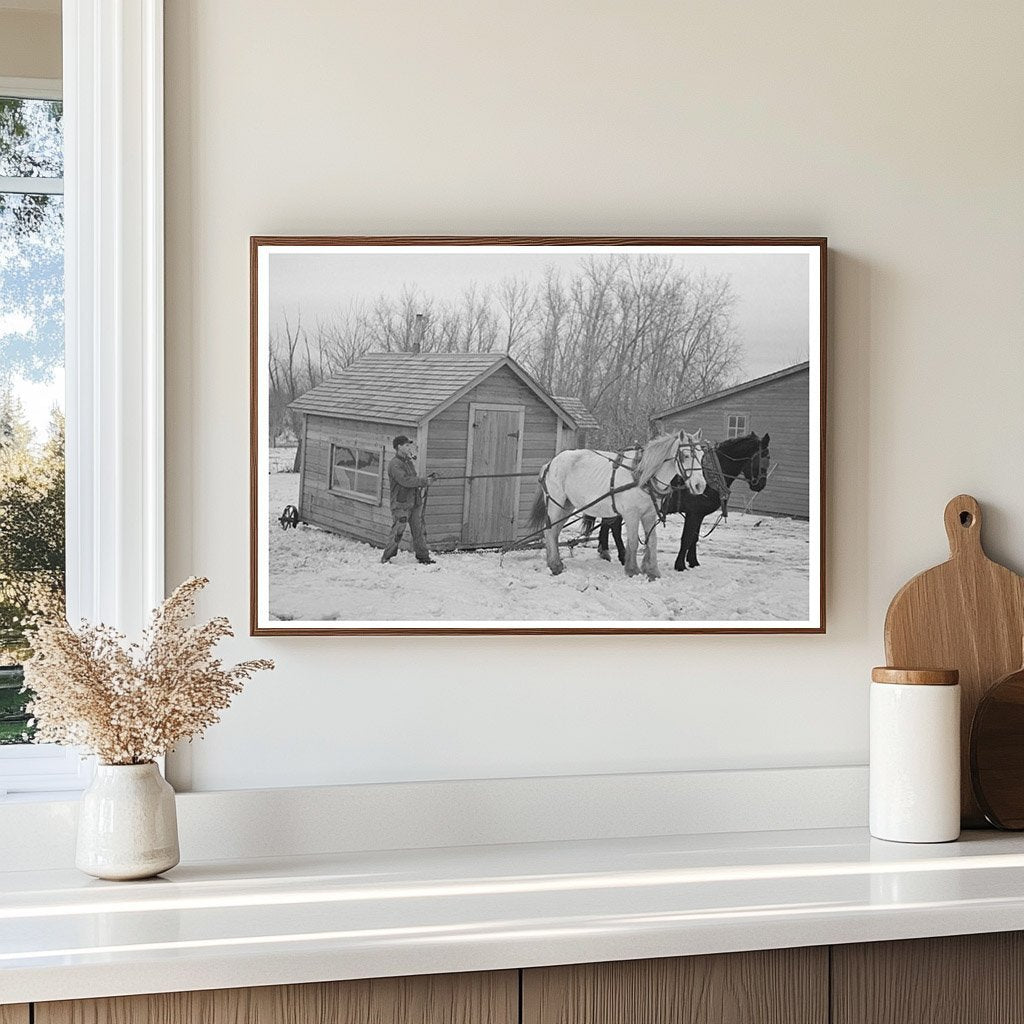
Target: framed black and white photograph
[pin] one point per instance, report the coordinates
(537, 435)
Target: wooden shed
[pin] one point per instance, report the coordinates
(480, 421)
(777, 404)
(586, 424)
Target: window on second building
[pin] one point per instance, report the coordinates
(737, 424)
(357, 471)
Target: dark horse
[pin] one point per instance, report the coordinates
(746, 456)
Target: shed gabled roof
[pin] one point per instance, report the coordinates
(410, 387)
(735, 390)
(578, 411)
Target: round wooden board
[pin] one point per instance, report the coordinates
(997, 752)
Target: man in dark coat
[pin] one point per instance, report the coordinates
(407, 500)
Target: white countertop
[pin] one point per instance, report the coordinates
(227, 924)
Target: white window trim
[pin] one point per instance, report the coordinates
(113, 166)
(31, 186)
(42, 768)
(113, 114)
(32, 88)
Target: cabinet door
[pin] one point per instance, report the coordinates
(490, 998)
(14, 1014)
(778, 986)
(961, 979)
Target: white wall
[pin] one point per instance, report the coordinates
(895, 129)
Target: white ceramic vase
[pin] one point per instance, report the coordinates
(127, 825)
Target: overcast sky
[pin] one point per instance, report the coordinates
(771, 290)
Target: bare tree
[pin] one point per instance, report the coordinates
(517, 304)
(630, 335)
(285, 370)
(626, 334)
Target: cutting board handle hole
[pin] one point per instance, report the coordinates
(966, 519)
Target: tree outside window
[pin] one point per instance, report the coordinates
(31, 387)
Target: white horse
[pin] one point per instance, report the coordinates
(581, 478)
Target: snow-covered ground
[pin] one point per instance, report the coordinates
(752, 568)
(281, 459)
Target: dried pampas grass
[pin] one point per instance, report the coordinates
(130, 703)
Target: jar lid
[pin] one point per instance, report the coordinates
(916, 676)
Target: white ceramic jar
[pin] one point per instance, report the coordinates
(915, 755)
(127, 823)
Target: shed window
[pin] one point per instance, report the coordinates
(736, 424)
(357, 471)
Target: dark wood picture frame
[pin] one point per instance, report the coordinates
(256, 243)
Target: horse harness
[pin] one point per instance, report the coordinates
(619, 462)
(654, 491)
(542, 480)
(656, 494)
(628, 458)
(715, 478)
(763, 471)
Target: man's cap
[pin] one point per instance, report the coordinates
(400, 440)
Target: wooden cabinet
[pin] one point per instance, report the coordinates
(777, 986)
(491, 998)
(962, 979)
(967, 979)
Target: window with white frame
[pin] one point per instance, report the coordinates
(357, 471)
(737, 424)
(32, 532)
(112, 126)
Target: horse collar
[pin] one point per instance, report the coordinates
(716, 479)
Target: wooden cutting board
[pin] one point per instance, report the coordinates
(967, 614)
(997, 752)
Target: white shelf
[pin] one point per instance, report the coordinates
(353, 915)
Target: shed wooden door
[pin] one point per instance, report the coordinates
(493, 458)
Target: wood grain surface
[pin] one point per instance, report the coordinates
(997, 752)
(962, 979)
(915, 676)
(967, 614)
(481, 998)
(14, 1014)
(779, 986)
